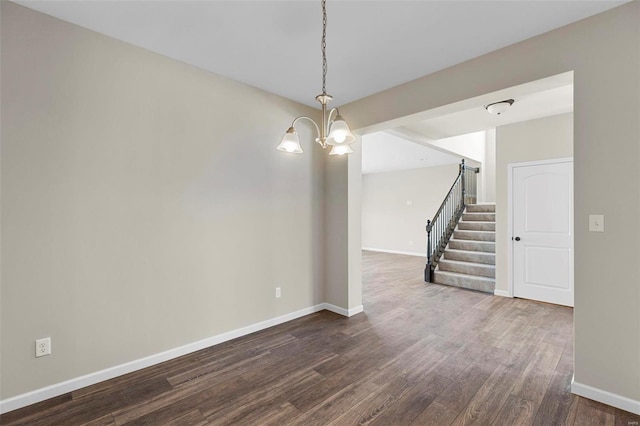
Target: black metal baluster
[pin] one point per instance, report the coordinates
(440, 228)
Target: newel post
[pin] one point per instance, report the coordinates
(428, 273)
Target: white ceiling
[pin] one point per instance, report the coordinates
(526, 107)
(275, 45)
(410, 146)
(385, 152)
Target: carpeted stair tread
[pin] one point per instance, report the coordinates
(467, 268)
(485, 246)
(476, 208)
(476, 225)
(470, 282)
(462, 234)
(470, 256)
(481, 217)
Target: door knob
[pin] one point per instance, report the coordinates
(517, 238)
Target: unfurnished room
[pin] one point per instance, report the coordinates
(319, 212)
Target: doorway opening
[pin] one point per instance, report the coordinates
(389, 204)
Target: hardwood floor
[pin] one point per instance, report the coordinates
(420, 354)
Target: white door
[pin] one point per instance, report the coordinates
(542, 238)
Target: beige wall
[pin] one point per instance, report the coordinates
(388, 223)
(604, 53)
(336, 236)
(343, 270)
(144, 206)
(354, 231)
(488, 170)
(541, 139)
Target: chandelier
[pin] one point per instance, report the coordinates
(338, 136)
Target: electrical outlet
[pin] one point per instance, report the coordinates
(43, 347)
(278, 293)
(410, 243)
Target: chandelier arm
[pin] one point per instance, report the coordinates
(329, 118)
(319, 138)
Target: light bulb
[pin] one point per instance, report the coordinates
(290, 142)
(339, 137)
(340, 132)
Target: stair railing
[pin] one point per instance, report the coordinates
(440, 228)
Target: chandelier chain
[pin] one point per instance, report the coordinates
(324, 47)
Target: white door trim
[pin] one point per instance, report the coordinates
(510, 167)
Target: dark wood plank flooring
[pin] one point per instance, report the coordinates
(421, 354)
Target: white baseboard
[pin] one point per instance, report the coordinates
(502, 293)
(342, 311)
(58, 389)
(605, 397)
(408, 253)
(355, 310)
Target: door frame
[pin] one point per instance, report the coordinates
(510, 257)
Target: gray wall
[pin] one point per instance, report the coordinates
(604, 53)
(541, 139)
(388, 223)
(144, 205)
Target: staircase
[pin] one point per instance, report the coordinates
(468, 260)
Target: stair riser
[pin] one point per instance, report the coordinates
(473, 246)
(482, 217)
(464, 282)
(476, 226)
(475, 235)
(480, 271)
(481, 208)
(468, 256)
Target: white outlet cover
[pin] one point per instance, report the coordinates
(43, 347)
(278, 292)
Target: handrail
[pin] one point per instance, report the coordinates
(440, 228)
(445, 199)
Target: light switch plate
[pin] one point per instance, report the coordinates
(596, 223)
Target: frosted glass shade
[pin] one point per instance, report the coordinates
(498, 108)
(341, 149)
(290, 142)
(340, 132)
